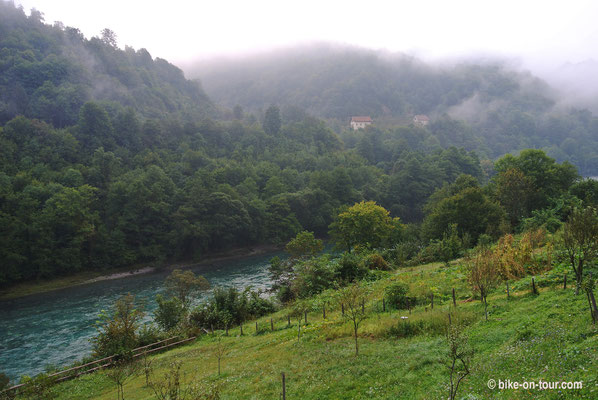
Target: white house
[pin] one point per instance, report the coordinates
(360, 122)
(421, 120)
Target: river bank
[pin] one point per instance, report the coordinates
(86, 277)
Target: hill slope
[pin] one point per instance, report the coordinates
(527, 338)
(49, 72)
(338, 82)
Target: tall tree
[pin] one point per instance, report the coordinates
(272, 120)
(365, 224)
(580, 239)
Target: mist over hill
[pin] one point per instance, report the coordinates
(334, 81)
(497, 106)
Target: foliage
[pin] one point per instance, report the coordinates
(182, 284)
(304, 245)
(228, 307)
(272, 121)
(121, 371)
(38, 387)
(396, 295)
(312, 277)
(170, 312)
(470, 209)
(349, 267)
(483, 274)
(375, 261)
(171, 386)
(460, 354)
(352, 298)
(580, 240)
(364, 224)
(117, 330)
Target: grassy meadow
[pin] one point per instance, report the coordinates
(527, 337)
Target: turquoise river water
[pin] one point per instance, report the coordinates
(54, 328)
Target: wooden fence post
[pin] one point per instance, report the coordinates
(342, 308)
(565, 281)
(256, 327)
(432, 301)
(383, 305)
(284, 388)
(288, 320)
(454, 299)
(305, 317)
(241, 326)
(272, 324)
(508, 293)
(324, 311)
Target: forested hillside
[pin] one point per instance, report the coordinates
(49, 72)
(132, 170)
(486, 106)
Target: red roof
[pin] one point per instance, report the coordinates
(421, 117)
(361, 119)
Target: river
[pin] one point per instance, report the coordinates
(54, 328)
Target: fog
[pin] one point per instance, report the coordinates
(557, 41)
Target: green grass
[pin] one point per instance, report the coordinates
(527, 338)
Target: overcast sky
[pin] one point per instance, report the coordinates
(542, 33)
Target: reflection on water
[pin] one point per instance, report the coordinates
(55, 327)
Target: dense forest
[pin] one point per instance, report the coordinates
(111, 158)
(484, 105)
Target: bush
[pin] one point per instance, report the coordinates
(402, 252)
(313, 277)
(376, 262)
(117, 330)
(169, 312)
(349, 268)
(228, 307)
(396, 295)
(148, 334)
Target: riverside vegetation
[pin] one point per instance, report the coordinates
(369, 329)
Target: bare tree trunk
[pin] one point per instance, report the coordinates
(356, 343)
(594, 308)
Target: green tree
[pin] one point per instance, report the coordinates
(272, 120)
(483, 275)
(304, 245)
(352, 298)
(117, 330)
(471, 210)
(547, 178)
(170, 312)
(514, 191)
(580, 240)
(364, 224)
(182, 284)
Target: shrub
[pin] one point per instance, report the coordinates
(148, 334)
(376, 262)
(170, 312)
(117, 329)
(313, 277)
(396, 295)
(229, 306)
(349, 268)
